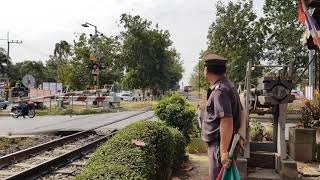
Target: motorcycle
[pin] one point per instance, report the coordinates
(26, 110)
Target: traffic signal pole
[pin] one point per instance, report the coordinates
(95, 75)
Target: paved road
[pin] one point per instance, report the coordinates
(47, 124)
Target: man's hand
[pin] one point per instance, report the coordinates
(242, 143)
(225, 160)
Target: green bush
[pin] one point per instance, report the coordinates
(119, 158)
(177, 113)
(180, 144)
(256, 131)
(197, 145)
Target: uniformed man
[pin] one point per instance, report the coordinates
(224, 115)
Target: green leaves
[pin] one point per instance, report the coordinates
(283, 34)
(240, 36)
(120, 158)
(147, 55)
(236, 36)
(194, 80)
(177, 113)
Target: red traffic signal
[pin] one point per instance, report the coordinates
(94, 66)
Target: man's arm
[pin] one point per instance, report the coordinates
(243, 124)
(223, 110)
(243, 130)
(226, 132)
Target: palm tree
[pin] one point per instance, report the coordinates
(62, 50)
(61, 53)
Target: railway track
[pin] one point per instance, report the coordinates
(58, 159)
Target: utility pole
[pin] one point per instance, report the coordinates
(199, 79)
(9, 42)
(93, 57)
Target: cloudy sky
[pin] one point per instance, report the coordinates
(42, 23)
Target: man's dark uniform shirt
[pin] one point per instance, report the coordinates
(223, 101)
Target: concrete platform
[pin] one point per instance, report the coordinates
(52, 124)
(263, 174)
(262, 159)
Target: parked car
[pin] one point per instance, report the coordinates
(126, 97)
(297, 93)
(3, 104)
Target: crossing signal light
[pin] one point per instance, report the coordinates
(94, 66)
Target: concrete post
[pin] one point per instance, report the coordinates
(247, 106)
(282, 150)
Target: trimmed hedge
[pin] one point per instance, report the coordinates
(177, 113)
(120, 158)
(180, 144)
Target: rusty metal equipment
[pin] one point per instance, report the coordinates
(271, 96)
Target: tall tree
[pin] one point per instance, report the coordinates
(147, 56)
(34, 68)
(107, 49)
(61, 53)
(62, 50)
(283, 33)
(236, 35)
(194, 80)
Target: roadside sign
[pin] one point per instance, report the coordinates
(95, 71)
(28, 81)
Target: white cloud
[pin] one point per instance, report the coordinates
(41, 23)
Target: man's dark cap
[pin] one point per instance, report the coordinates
(214, 60)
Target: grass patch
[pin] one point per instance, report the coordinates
(75, 111)
(130, 105)
(197, 146)
(82, 110)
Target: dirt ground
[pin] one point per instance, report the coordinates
(195, 169)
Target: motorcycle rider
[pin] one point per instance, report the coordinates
(23, 106)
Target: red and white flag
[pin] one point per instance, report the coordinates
(310, 22)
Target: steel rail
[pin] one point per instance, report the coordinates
(32, 151)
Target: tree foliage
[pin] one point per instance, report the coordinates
(147, 55)
(3, 61)
(142, 56)
(237, 36)
(34, 68)
(283, 34)
(240, 36)
(194, 80)
(62, 50)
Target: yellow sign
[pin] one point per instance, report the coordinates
(93, 58)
